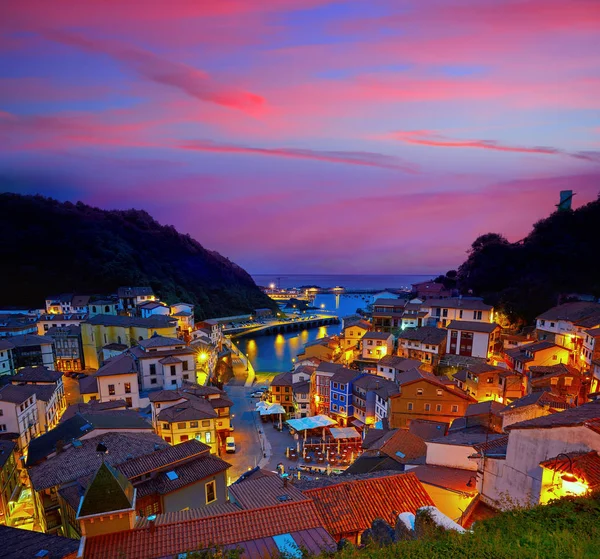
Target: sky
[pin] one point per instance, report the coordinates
(307, 136)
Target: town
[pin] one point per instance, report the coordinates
(128, 428)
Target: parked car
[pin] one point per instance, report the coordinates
(230, 445)
(257, 394)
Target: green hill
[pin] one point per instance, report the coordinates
(49, 247)
(559, 257)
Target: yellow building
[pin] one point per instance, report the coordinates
(100, 330)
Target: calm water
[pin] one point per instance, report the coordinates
(274, 353)
(349, 281)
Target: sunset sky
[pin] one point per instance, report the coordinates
(301, 136)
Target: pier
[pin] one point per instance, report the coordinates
(282, 326)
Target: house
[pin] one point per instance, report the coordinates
(349, 508)
(473, 339)
(301, 395)
(352, 332)
(280, 392)
(376, 345)
(132, 297)
(426, 344)
(562, 379)
(485, 381)
(469, 309)
(6, 358)
(117, 379)
(67, 303)
(47, 321)
(387, 314)
(93, 406)
(65, 464)
(184, 313)
(485, 414)
(103, 306)
(590, 351)
(453, 490)
(536, 404)
(341, 407)
(31, 350)
(430, 290)
(17, 324)
(413, 316)
(425, 396)
(284, 529)
(18, 543)
(566, 325)
(324, 349)
(9, 480)
(190, 417)
(519, 478)
(214, 326)
(370, 394)
(50, 394)
(536, 353)
(390, 366)
(456, 449)
(100, 330)
(321, 386)
(153, 308)
(20, 412)
(164, 362)
(68, 349)
(257, 491)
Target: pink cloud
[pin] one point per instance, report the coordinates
(193, 82)
(424, 138)
(367, 159)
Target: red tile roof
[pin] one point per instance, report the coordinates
(351, 506)
(264, 492)
(586, 466)
(165, 540)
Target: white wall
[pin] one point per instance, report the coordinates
(453, 456)
(119, 382)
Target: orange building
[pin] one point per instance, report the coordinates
(425, 396)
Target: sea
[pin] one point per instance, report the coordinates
(274, 353)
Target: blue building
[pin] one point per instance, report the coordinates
(340, 401)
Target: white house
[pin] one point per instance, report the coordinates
(375, 345)
(153, 308)
(473, 339)
(444, 311)
(519, 478)
(184, 313)
(19, 413)
(6, 359)
(118, 380)
(164, 362)
(47, 321)
(391, 366)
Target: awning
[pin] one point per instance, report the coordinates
(269, 409)
(344, 433)
(358, 423)
(315, 422)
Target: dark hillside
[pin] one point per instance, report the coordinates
(49, 247)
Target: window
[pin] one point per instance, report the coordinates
(409, 406)
(334, 407)
(186, 377)
(165, 425)
(419, 392)
(211, 492)
(206, 423)
(152, 381)
(207, 437)
(460, 314)
(335, 385)
(185, 365)
(439, 392)
(568, 381)
(111, 389)
(454, 409)
(369, 342)
(542, 323)
(2, 428)
(287, 398)
(342, 398)
(427, 407)
(552, 325)
(127, 388)
(153, 369)
(476, 315)
(174, 382)
(438, 407)
(167, 439)
(173, 371)
(106, 308)
(490, 380)
(193, 425)
(342, 387)
(183, 438)
(129, 402)
(181, 426)
(1, 413)
(445, 313)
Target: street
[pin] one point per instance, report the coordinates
(248, 449)
(71, 390)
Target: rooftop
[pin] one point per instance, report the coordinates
(480, 408)
(156, 321)
(160, 341)
(541, 398)
(344, 375)
(400, 363)
(453, 479)
(467, 303)
(120, 365)
(27, 340)
(25, 544)
(351, 506)
(282, 379)
(191, 409)
(264, 492)
(36, 374)
(576, 312)
(586, 466)
(425, 335)
(109, 490)
(573, 417)
(246, 528)
(428, 430)
(471, 326)
(467, 437)
(376, 336)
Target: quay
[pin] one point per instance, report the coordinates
(282, 326)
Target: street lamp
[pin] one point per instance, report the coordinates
(247, 363)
